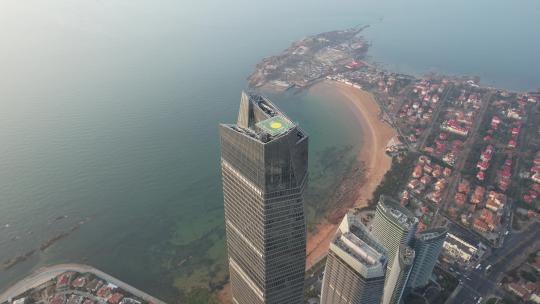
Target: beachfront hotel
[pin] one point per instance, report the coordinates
(264, 159)
(428, 245)
(355, 266)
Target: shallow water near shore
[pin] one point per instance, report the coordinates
(109, 113)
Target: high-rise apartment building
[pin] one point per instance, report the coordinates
(264, 160)
(355, 266)
(427, 246)
(396, 280)
(393, 225)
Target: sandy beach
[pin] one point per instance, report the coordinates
(375, 136)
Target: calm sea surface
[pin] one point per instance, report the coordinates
(109, 113)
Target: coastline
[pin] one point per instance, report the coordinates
(44, 274)
(375, 136)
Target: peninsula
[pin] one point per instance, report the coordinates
(311, 59)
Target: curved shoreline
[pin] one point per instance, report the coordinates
(375, 136)
(45, 274)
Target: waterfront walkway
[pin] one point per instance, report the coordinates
(45, 274)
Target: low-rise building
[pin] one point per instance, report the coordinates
(478, 195)
(459, 249)
(518, 290)
(480, 225)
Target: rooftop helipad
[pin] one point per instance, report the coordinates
(275, 125)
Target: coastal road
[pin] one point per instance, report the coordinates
(45, 274)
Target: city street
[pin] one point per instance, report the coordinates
(476, 283)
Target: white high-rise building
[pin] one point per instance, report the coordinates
(355, 267)
(393, 226)
(396, 280)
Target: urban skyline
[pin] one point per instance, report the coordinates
(135, 170)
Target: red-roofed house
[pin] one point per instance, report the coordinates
(443, 136)
(527, 199)
(426, 179)
(478, 195)
(481, 175)
(115, 298)
(483, 165)
(536, 178)
(79, 282)
(519, 290)
(437, 172)
(447, 172)
(417, 171)
(104, 292)
(464, 186)
(530, 286)
(486, 215)
(486, 156)
(480, 225)
(440, 185)
(58, 299)
(460, 198)
(495, 121)
(63, 280)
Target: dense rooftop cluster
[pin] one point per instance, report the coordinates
(78, 288)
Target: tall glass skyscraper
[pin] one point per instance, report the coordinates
(396, 280)
(264, 159)
(355, 266)
(427, 245)
(394, 226)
